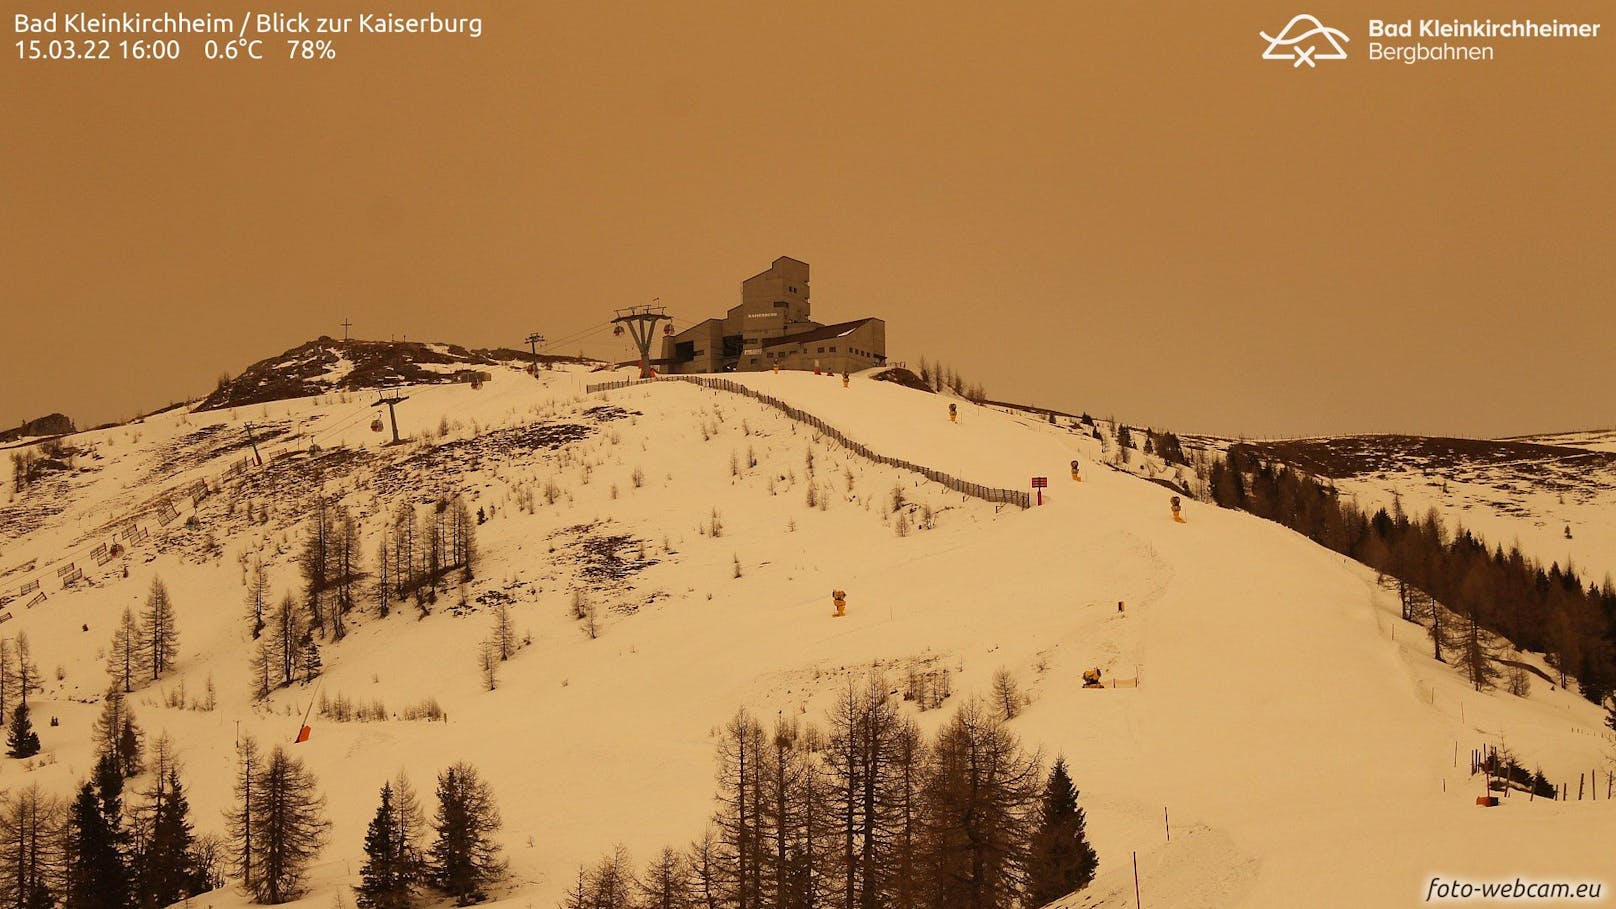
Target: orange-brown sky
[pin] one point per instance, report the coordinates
(1115, 207)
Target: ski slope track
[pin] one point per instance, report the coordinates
(1306, 749)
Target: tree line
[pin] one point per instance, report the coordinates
(101, 851)
(98, 850)
(417, 553)
(867, 813)
(1450, 581)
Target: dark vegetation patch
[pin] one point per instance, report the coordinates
(606, 413)
(208, 443)
(463, 456)
(290, 482)
(603, 557)
(300, 372)
(42, 502)
(903, 377)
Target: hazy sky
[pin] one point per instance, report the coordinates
(1116, 207)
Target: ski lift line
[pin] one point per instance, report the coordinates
(572, 337)
(581, 339)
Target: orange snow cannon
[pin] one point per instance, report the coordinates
(1178, 511)
(1077, 475)
(953, 413)
(839, 597)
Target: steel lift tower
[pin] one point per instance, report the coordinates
(640, 322)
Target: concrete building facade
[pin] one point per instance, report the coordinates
(772, 328)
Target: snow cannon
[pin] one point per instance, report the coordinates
(1178, 511)
(839, 598)
(1076, 475)
(953, 413)
(1091, 678)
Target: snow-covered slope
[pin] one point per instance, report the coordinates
(1305, 748)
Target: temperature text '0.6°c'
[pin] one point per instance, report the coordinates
(237, 49)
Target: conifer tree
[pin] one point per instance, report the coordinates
(257, 599)
(315, 562)
(129, 747)
(1062, 859)
(981, 796)
(383, 883)
(159, 637)
(28, 680)
(666, 882)
(124, 656)
(97, 877)
(108, 780)
(283, 642)
(311, 663)
(21, 740)
(30, 847)
(611, 885)
(411, 821)
(464, 859)
(109, 729)
(240, 829)
(288, 827)
(504, 633)
(345, 559)
(8, 677)
(170, 871)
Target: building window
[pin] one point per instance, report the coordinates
(833, 348)
(821, 350)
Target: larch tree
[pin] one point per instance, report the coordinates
(257, 599)
(738, 818)
(125, 664)
(8, 677)
(240, 830)
(504, 631)
(28, 679)
(315, 563)
(666, 882)
(116, 735)
(30, 846)
(159, 637)
(981, 797)
(345, 559)
(289, 827)
(488, 663)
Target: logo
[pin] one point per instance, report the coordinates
(1305, 39)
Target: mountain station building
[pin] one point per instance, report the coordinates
(771, 328)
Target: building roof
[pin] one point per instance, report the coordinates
(823, 333)
(773, 265)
